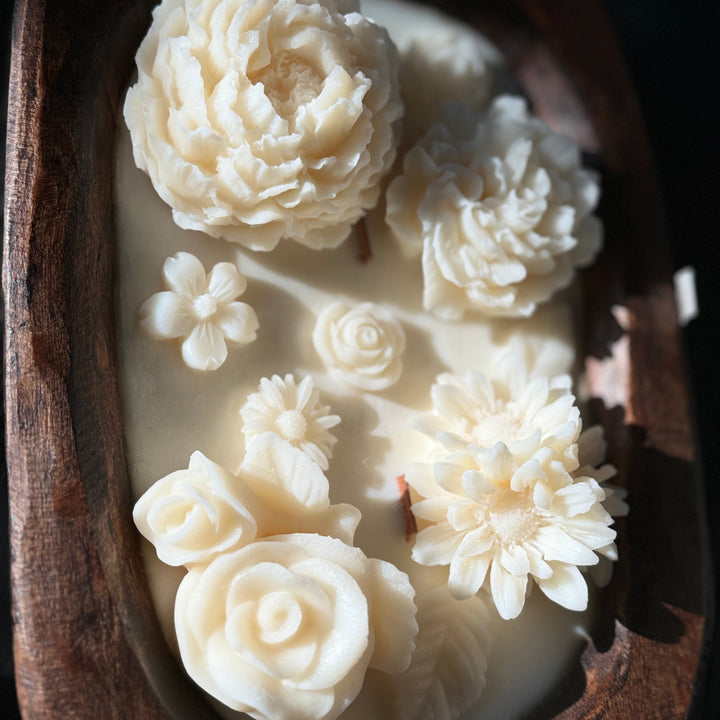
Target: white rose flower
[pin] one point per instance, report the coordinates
(202, 309)
(266, 119)
(500, 209)
(284, 629)
(193, 515)
(361, 344)
(293, 411)
(507, 406)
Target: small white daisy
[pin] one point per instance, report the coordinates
(293, 411)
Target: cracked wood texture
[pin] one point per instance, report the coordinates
(86, 640)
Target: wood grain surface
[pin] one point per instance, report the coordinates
(87, 643)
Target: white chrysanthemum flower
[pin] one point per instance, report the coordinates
(265, 119)
(292, 411)
(497, 522)
(202, 309)
(507, 406)
(500, 208)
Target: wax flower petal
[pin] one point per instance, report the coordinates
(202, 309)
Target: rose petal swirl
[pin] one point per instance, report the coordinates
(192, 515)
(362, 344)
(285, 628)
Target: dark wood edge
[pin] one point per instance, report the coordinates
(78, 584)
(664, 591)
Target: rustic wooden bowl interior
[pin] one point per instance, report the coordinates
(86, 639)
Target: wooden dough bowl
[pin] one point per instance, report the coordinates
(87, 643)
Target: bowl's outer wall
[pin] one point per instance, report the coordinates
(86, 639)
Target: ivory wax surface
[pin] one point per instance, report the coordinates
(171, 410)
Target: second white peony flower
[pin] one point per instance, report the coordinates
(500, 208)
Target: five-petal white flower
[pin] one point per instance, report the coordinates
(293, 411)
(200, 308)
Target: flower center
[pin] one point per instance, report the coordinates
(290, 82)
(205, 306)
(292, 425)
(501, 426)
(166, 521)
(279, 617)
(512, 520)
(368, 337)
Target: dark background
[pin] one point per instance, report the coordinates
(671, 49)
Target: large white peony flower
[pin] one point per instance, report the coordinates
(293, 411)
(500, 209)
(497, 522)
(284, 629)
(506, 406)
(202, 309)
(361, 344)
(266, 119)
(193, 515)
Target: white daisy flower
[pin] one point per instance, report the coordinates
(202, 309)
(498, 522)
(293, 411)
(507, 406)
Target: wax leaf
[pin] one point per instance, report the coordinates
(447, 671)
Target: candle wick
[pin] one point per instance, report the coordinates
(364, 251)
(405, 507)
